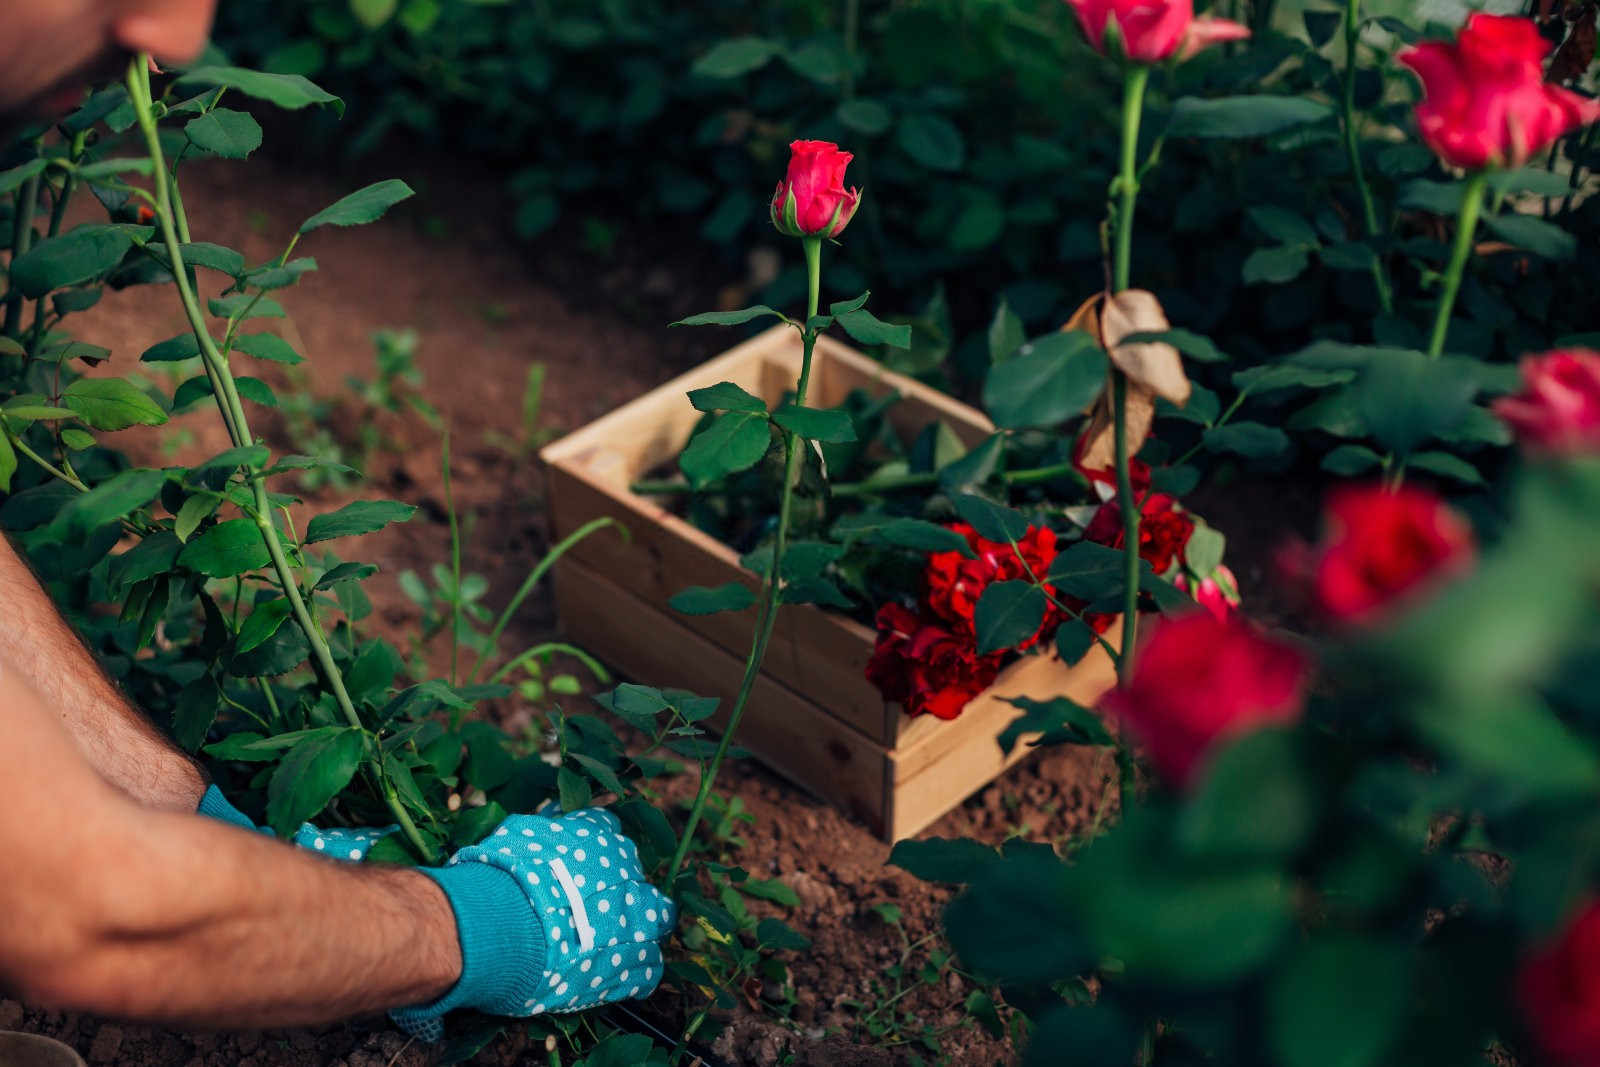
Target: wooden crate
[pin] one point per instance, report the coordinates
(813, 716)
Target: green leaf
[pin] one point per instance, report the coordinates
(81, 255)
(1249, 439)
(312, 774)
(248, 456)
(699, 600)
(771, 889)
(107, 168)
(814, 590)
(289, 91)
(1284, 226)
(196, 510)
(1290, 376)
(276, 277)
(360, 207)
(1347, 461)
(974, 468)
(77, 439)
(955, 861)
(1534, 235)
(731, 443)
(867, 117)
(111, 500)
(1243, 116)
(1446, 466)
(15, 178)
(1046, 383)
(227, 307)
(346, 572)
(1275, 265)
(1005, 333)
(867, 328)
(917, 534)
(1436, 198)
(172, 350)
(830, 425)
(8, 463)
(734, 57)
(1339, 1002)
(1088, 571)
(267, 346)
(262, 622)
(360, 517)
(1535, 181)
(1405, 398)
(1008, 614)
(373, 13)
(932, 141)
(1058, 722)
(777, 934)
(730, 318)
(195, 711)
(225, 133)
(1204, 550)
(202, 254)
(994, 522)
(725, 396)
(227, 549)
(574, 790)
(1255, 802)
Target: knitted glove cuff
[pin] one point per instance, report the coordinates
(502, 942)
(215, 806)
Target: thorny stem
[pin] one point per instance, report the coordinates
(792, 446)
(1352, 144)
(228, 402)
(1466, 229)
(1138, 77)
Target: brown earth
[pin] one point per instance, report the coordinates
(485, 310)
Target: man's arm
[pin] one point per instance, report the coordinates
(115, 909)
(116, 740)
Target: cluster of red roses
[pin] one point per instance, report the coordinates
(928, 660)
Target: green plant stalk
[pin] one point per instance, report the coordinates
(455, 578)
(769, 597)
(1137, 79)
(1352, 144)
(1466, 230)
(228, 401)
(21, 241)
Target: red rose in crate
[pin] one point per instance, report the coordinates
(811, 200)
(926, 668)
(1559, 991)
(956, 583)
(1198, 680)
(1152, 31)
(1382, 546)
(1487, 103)
(1163, 529)
(1558, 410)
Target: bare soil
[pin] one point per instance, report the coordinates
(486, 308)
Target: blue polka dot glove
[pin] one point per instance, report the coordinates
(553, 916)
(351, 844)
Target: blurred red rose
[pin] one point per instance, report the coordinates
(1199, 680)
(1487, 103)
(1381, 546)
(924, 667)
(956, 583)
(1152, 31)
(1558, 410)
(1559, 990)
(1104, 479)
(1163, 529)
(814, 187)
(1218, 593)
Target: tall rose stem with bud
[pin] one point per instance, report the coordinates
(793, 450)
(1135, 81)
(1466, 231)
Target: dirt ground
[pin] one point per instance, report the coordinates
(485, 309)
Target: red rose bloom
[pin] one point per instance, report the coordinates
(1218, 594)
(926, 668)
(1558, 410)
(1199, 680)
(1487, 103)
(1163, 529)
(1383, 546)
(811, 200)
(956, 583)
(1559, 991)
(1153, 31)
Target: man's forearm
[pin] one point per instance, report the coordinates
(117, 741)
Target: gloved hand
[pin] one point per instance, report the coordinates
(591, 935)
(352, 844)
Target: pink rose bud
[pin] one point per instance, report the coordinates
(812, 201)
(1152, 31)
(1486, 101)
(1558, 410)
(1218, 593)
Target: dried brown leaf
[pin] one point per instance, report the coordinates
(1154, 366)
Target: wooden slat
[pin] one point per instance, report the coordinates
(789, 733)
